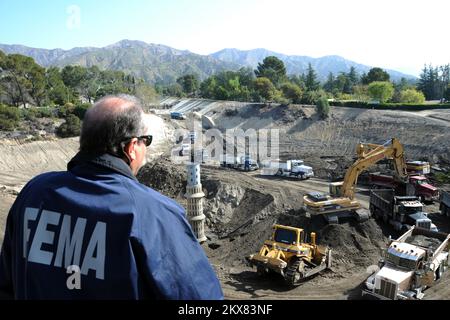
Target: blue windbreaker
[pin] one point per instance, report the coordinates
(95, 232)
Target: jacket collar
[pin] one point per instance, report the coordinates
(105, 160)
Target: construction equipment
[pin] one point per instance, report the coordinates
(411, 264)
(418, 167)
(288, 254)
(243, 163)
(401, 212)
(415, 185)
(341, 201)
(445, 203)
(290, 168)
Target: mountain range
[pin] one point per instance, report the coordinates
(162, 64)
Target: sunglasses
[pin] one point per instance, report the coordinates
(146, 139)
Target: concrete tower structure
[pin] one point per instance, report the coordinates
(195, 195)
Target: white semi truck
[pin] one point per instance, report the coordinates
(290, 168)
(412, 263)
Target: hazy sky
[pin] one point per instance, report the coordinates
(396, 34)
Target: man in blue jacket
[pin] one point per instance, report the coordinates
(95, 232)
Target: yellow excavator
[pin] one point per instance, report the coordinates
(341, 201)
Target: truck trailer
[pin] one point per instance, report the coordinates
(417, 185)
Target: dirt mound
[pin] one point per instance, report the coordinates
(164, 177)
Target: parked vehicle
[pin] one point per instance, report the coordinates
(402, 212)
(290, 168)
(411, 264)
(244, 163)
(415, 186)
(177, 116)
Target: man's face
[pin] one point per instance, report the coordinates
(141, 157)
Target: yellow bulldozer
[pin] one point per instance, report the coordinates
(288, 254)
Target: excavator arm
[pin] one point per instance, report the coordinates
(368, 155)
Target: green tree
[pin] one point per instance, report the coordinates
(360, 93)
(353, 79)
(375, 74)
(311, 81)
(146, 93)
(381, 91)
(429, 82)
(265, 90)
(411, 96)
(70, 128)
(447, 93)
(311, 97)
(292, 92)
(9, 118)
(57, 91)
(273, 69)
(174, 90)
(323, 108)
(189, 83)
(36, 76)
(18, 79)
(208, 87)
(329, 84)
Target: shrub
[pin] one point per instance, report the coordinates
(390, 106)
(80, 110)
(323, 108)
(312, 97)
(9, 118)
(292, 92)
(33, 113)
(381, 90)
(411, 96)
(65, 110)
(442, 177)
(70, 128)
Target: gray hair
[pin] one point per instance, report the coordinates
(109, 122)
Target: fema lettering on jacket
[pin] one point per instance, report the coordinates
(66, 250)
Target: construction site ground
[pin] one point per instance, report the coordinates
(241, 207)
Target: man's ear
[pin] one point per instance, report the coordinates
(130, 149)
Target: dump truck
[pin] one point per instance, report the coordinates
(411, 264)
(415, 185)
(290, 168)
(418, 167)
(288, 253)
(401, 212)
(445, 203)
